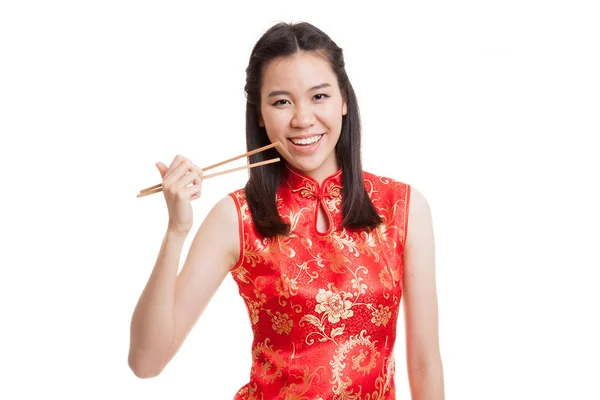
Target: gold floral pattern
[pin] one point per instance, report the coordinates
(342, 387)
(333, 304)
(323, 305)
(298, 390)
(267, 361)
(282, 322)
(381, 316)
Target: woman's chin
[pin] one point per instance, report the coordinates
(314, 166)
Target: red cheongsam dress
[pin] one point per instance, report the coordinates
(323, 306)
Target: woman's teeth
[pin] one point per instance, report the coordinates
(306, 141)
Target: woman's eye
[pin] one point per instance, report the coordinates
(280, 102)
(320, 96)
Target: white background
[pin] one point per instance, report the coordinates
(488, 108)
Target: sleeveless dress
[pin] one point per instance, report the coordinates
(323, 306)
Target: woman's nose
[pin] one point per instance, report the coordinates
(303, 117)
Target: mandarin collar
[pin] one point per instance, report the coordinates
(308, 187)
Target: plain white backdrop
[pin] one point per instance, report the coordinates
(490, 109)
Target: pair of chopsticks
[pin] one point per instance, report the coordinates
(158, 188)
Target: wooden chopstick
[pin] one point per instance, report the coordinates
(158, 188)
(248, 154)
(258, 164)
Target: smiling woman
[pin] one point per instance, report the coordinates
(304, 117)
(319, 248)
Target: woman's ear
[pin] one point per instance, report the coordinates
(344, 107)
(261, 123)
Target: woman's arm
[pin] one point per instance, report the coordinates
(171, 304)
(424, 363)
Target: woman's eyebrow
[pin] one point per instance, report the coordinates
(284, 92)
(321, 86)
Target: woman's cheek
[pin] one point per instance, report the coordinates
(281, 120)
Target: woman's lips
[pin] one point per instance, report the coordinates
(306, 148)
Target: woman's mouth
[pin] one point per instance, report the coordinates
(306, 142)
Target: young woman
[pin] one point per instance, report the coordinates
(322, 252)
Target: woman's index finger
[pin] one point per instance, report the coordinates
(176, 161)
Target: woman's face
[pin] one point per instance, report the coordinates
(301, 109)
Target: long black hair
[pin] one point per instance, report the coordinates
(283, 40)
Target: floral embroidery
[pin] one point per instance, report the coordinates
(342, 387)
(297, 391)
(308, 191)
(282, 323)
(283, 286)
(381, 316)
(267, 361)
(253, 309)
(385, 278)
(333, 304)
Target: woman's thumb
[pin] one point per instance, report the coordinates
(162, 168)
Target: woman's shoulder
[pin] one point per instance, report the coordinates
(397, 190)
(226, 208)
(239, 195)
(382, 182)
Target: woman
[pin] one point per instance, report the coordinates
(320, 249)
